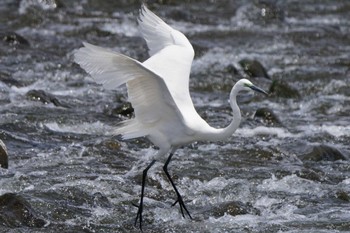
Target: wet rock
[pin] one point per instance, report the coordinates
(231, 69)
(342, 195)
(323, 153)
(282, 89)
(75, 198)
(101, 201)
(40, 95)
(15, 211)
(268, 116)
(199, 48)
(232, 208)
(125, 110)
(310, 174)
(112, 145)
(14, 39)
(3, 155)
(254, 68)
(59, 4)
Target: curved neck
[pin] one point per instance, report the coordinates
(236, 112)
(221, 134)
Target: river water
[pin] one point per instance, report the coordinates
(285, 175)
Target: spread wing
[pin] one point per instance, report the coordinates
(158, 88)
(171, 58)
(147, 91)
(165, 44)
(154, 30)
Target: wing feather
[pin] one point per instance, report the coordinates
(171, 58)
(105, 66)
(147, 92)
(154, 30)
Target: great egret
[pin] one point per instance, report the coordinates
(158, 90)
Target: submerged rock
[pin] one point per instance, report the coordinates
(40, 95)
(311, 174)
(342, 195)
(3, 155)
(268, 116)
(14, 39)
(235, 208)
(323, 153)
(15, 211)
(231, 69)
(254, 69)
(282, 89)
(232, 208)
(200, 49)
(124, 109)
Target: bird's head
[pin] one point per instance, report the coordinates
(245, 84)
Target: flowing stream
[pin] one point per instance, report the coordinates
(285, 170)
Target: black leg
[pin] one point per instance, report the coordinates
(179, 197)
(140, 206)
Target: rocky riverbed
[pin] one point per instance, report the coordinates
(286, 169)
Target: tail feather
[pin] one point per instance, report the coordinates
(131, 129)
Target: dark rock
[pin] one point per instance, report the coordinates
(59, 4)
(200, 48)
(14, 39)
(101, 200)
(112, 144)
(268, 116)
(282, 89)
(231, 69)
(40, 95)
(342, 195)
(3, 155)
(15, 211)
(323, 153)
(125, 110)
(75, 198)
(310, 174)
(232, 208)
(253, 68)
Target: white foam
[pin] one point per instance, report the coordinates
(45, 5)
(290, 184)
(346, 182)
(334, 130)
(127, 27)
(333, 85)
(263, 130)
(318, 20)
(95, 128)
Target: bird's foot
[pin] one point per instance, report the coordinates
(138, 215)
(183, 207)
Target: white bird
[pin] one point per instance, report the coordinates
(158, 90)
